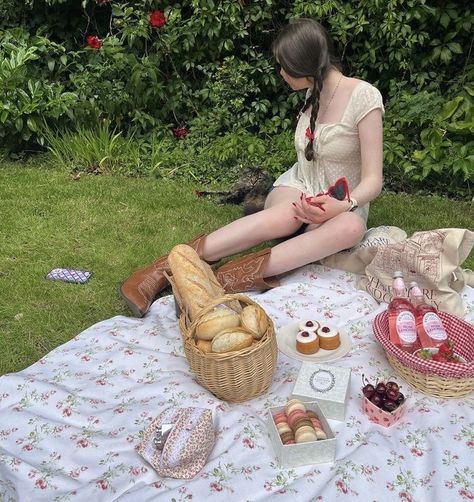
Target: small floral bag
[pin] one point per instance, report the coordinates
(178, 442)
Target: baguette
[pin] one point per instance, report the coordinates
(194, 279)
(216, 321)
(204, 346)
(254, 319)
(231, 339)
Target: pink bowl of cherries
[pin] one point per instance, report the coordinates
(383, 402)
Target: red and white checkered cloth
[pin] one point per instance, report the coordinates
(459, 331)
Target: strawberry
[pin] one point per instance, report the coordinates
(440, 358)
(447, 348)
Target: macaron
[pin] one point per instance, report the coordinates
(312, 414)
(294, 416)
(300, 422)
(294, 404)
(280, 418)
(281, 428)
(320, 434)
(316, 423)
(287, 436)
(305, 434)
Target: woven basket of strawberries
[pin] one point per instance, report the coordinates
(447, 371)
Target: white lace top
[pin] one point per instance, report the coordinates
(337, 147)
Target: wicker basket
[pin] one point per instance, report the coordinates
(233, 376)
(431, 377)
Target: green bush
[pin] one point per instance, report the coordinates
(208, 68)
(428, 138)
(27, 100)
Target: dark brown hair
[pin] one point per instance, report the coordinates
(304, 49)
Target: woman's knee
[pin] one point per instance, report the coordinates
(280, 194)
(353, 227)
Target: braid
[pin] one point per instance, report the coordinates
(317, 86)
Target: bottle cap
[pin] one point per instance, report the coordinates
(397, 274)
(413, 284)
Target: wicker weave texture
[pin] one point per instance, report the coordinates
(434, 378)
(232, 376)
(432, 384)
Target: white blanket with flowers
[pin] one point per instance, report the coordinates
(69, 424)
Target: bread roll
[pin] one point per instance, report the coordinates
(216, 321)
(204, 346)
(254, 319)
(231, 339)
(193, 278)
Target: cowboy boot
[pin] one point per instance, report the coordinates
(246, 273)
(142, 287)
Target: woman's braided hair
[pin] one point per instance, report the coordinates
(304, 49)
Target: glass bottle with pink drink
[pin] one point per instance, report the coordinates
(429, 327)
(401, 317)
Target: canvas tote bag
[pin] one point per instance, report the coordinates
(432, 258)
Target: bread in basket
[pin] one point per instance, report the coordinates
(438, 379)
(234, 376)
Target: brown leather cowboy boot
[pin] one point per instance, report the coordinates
(141, 288)
(246, 273)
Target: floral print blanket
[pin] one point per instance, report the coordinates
(69, 424)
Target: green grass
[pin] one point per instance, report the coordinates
(112, 225)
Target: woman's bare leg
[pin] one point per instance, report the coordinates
(275, 221)
(341, 232)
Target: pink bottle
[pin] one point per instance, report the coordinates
(401, 317)
(429, 327)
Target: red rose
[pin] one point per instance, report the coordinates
(180, 132)
(94, 42)
(157, 18)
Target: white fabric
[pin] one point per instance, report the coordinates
(337, 148)
(69, 423)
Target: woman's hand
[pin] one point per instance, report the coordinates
(318, 209)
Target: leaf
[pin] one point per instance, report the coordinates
(449, 108)
(51, 65)
(32, 124)
(63, 59)
(455, 47)
(444, 20)
(19, 124)
(445, 55)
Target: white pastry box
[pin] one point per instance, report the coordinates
(294, 455)
(328, 385)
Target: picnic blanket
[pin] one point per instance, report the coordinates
(69, 424)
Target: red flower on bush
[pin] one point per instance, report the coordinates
(94, 42)
(180, 132)
(157, 18)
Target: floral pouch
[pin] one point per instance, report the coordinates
(178, 442)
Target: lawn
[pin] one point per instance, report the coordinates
(112, 225)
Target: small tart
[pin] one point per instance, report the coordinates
(307, 342)
(309, 325)
(329, 337)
